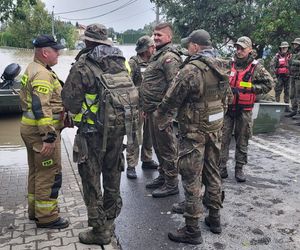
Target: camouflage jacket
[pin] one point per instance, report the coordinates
(295, 65)
(40, 96)
(81, 79)
(137, 66)
(199, 91)
(163, 67)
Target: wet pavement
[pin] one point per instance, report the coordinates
(263, 213)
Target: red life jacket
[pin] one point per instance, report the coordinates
(283, 63)
(240, 82)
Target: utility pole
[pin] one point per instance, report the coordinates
(157, 14)
(53, 33)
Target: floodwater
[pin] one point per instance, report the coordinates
(9, 125)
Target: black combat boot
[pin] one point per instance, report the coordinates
(179, 207)
(97, 236)
(59, 223)
(149, 165)
(165, 190)
(187, 234)
(239, 174)
(131, 174)
(223, 171)
(213, 221)
(170, 187)
(292, 114)
(157, 182)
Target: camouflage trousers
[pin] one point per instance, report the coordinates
(132, 151)
(283, 83)
(164, 144)
(101, 205)
(241, 124)
(295, 93)
(44, 176)
(198, 164)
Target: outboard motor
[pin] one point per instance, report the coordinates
(10, 73)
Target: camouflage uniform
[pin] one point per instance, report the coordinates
(42, 119)
(241, 120)
(295, 77)
(93, 159)
(282, 82)
(138, 66)
(198, 93)
(162, 68)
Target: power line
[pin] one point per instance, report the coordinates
(89, 18)
(137, 14)
(78, 10)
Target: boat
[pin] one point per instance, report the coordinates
(9, 90)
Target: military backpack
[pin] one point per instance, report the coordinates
(118, 101)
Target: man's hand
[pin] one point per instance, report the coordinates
(47, 149)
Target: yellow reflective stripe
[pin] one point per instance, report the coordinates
(128, 67)
(24, 80)
(28, 121)
(246, 84)
(40, 122)
(46, 205)
(31, 197)
(90, 97)
(44, 121)
(56, 84)
(43, 82)
(77, 117)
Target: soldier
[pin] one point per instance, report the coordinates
(98, 144)
(199, 92)
(280, 69)
(40, 130)
(145, 48)
(294, 64)
(247, 79)
(162, 68)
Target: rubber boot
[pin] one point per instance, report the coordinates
(131, 174)
(149, 165)
(190, 233)
(170, 187)
(292, 114)
(179, 207)
(157, 182)
(97, 236)
(223, 171)
(239, 174)
(59, 223)
(213, 221)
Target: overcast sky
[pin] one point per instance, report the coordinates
(133, 16)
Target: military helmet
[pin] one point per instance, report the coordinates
(143, 43)
(201, 37)
(284, 45)
(296, 41)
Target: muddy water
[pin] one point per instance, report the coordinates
(9, 125)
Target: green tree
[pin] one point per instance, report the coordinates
(9, 7)
(265, 22)
(30, 20)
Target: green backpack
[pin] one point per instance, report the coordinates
(118, 100)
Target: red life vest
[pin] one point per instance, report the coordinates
(240, 82)
(283, 63)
